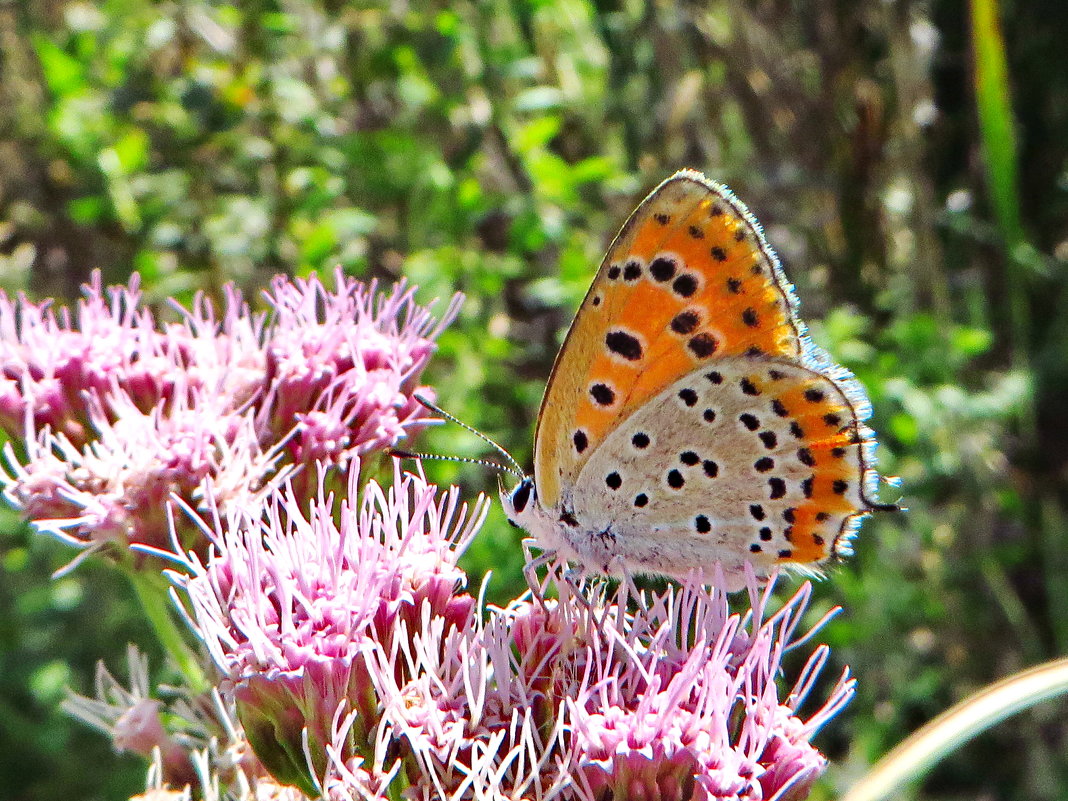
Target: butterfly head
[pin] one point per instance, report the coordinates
(525, 511)
(519, 503)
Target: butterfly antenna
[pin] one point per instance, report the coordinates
(515, 469)
(437, 456)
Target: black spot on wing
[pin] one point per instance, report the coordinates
(623, 344)
(685, 322)
(685, 285)
(602, 394)
(663, 269)
(702, 345)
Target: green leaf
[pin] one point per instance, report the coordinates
(971, 341)
(996, 125)
(88, 210)
(132, 150)
(63, 73)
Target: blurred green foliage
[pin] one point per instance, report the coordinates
(908, 159)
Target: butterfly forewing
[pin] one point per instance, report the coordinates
(688, 281)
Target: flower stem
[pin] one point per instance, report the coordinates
(154, 603)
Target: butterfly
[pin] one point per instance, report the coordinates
(688, 420)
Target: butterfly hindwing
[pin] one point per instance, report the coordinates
(689, 280)
(749, 459)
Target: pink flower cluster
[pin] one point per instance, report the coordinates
(117, 412)
(358, 663)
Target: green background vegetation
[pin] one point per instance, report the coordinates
(907, 158)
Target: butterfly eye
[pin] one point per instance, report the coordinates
(521, 495)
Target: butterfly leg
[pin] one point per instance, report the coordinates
(588, 594)
(576, 576)
(596, 593)
(627, 587)
(530, 570)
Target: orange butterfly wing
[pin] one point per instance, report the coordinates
(688, 280)
(689, 277)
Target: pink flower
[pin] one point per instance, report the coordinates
(52, 363)
(703, 721)
(345, 364)
(116, 413)
(293, 609)
(133, 719)
(117, 488)
(678, 700)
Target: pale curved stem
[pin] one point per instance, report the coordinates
(970, 717)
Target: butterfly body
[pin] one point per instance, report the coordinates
(689, 421)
